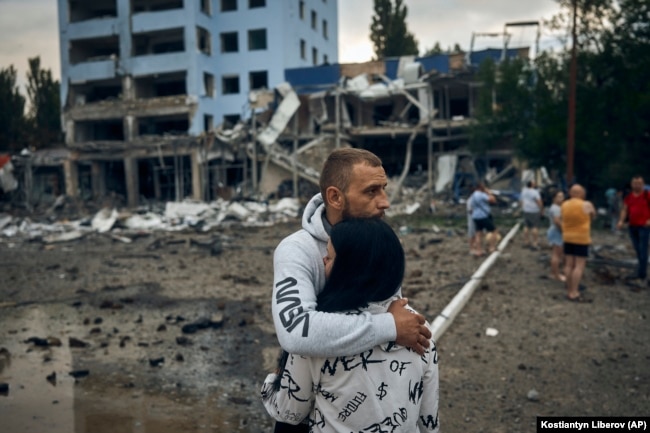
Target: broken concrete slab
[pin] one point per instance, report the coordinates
(280, 119)
(177, 210)
(63, 237)
(104, 220)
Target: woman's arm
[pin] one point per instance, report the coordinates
(294, 399)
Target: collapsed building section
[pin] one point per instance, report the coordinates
(414, 113)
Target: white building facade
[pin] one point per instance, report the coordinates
(180, 65)
(143, 81)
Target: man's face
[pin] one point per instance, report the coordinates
(366, 195)
(637, 184)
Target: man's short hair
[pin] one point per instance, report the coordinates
(337, 169)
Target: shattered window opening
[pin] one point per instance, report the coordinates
(155, 5)
(257, 39)
(208, 122)
(164, 186)
(94, 91)
(203, 40)
(162, 125)
(100, 130)
(314, 56)
(229, 42)
(252, 4)
(230, 120)
(301, 9)
(93, 50)
(303, 49)
(208, 83)
(159, 42)
(228, 5)
(314, 20)
(84, 10)
(230, 84)
(258, 80)
(160, 85)
(205, 7)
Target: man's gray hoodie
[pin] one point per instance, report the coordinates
(298, 276)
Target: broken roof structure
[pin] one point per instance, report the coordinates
(407, 110)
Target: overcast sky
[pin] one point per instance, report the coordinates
(29, 28)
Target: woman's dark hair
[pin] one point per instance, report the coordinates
(369, 265)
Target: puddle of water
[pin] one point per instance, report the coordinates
(95, 404)
(33, 404)
(140, 414)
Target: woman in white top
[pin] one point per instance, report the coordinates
(387, 387)
(554, 236)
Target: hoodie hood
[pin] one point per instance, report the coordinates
(312, 218)
(382, 307)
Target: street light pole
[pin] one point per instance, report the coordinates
(572, 101)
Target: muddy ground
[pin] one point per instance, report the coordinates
(172, 332)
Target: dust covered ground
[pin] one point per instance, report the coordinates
(173, 332)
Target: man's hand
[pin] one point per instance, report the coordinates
(411, 331)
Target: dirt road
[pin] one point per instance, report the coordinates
(172, 332)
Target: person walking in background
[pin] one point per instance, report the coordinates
(614, 206)
(532, 207)
(364, 267)
(554, 236)
(481, 199)
(577, 214)
(474, 249)
(636, 210)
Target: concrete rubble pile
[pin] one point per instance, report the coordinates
(176, 216)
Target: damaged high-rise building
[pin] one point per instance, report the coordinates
(145, 82)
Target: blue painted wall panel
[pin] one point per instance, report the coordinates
(93, 29)
(308, 80)
(438, 62)
(90, 71)
(494, 53)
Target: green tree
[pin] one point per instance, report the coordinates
(524, 105)
(547, 136)
(12, 109)
(484, 135)
(618, 80)
(433, 51)
(44, 102)
(437, 49)
(388, 31)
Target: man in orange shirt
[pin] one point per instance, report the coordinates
(636, 208)
(577, 214)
